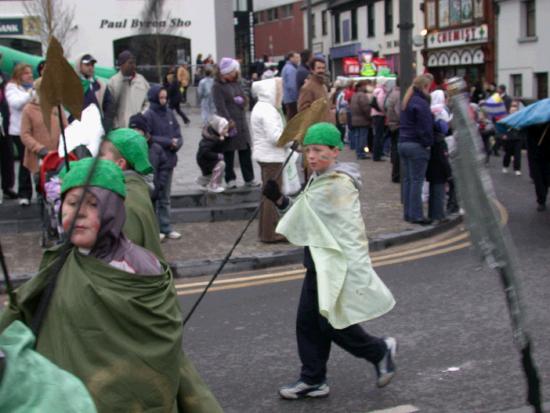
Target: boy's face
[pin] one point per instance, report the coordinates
(320, 157)
(87, 221)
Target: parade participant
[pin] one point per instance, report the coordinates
(18, 93)
(113, 303)
(165, 131)
(128, 90)
(229, 99)
(538, 156)
(128, 149)
(340, 289)
(210, 154)
(157, 157)
(266, 126)
(95, 90)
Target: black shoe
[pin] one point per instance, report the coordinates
(423, 221)
(11, 194)
(541, 207)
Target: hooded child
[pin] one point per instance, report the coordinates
(210, 154)
(341, 288)
(113, 302)
(128, 149)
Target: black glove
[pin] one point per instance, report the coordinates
(43, 152)
(272, 191)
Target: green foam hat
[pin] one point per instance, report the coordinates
(323, 133)
(107, 175)
(133, 147)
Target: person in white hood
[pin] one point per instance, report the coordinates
(266, 126)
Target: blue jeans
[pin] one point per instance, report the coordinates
(378, 143)
(436, 203)
(361, 140)
(163, 205)
(414, 159)
(352, 136)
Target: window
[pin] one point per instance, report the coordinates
(354, 24)
(530, 27)
(259, 17)
(516, 85)
(324, 23)
(336, 27)
(313, 28)
(388, 16)
(286, 11)
(370, 20)
(541, 80)
(272, 14)
(240, 5)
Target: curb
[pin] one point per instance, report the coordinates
(197, 268)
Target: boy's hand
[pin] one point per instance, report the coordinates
(272, 191)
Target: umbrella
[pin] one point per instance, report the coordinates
(533, 114)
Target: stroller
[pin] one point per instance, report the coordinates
(49, 194)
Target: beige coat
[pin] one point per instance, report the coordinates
(35, 136)
(312, 90)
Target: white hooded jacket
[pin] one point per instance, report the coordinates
(266, 121)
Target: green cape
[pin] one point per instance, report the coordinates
(120, 333)
(327, 218)
(141, 226)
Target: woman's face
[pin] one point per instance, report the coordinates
(87, 221)
(163, 96)
(26, 75)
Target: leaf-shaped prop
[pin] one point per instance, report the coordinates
(60, 85)
(296, 128)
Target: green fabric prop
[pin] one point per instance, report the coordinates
(120, 333)
(141, 226)
(85, 84)
(133, 147)
(327, 218)
(32, 383)
(107, 175)
(324, 133)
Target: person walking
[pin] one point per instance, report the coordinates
(538, 156)
(290, 90)
(360, 118)
(229, 99)
(128, 90)
(165, 131)
(512, 141)
(341, 288)
(378, 119)
(19, 92)
(184, 79)
(172, 86)
(204, 91)
(392, 106)
(266, 126)
(415, 141)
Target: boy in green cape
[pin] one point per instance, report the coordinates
(340, 288)
(128, 149)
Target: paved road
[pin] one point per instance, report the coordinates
(451, 321)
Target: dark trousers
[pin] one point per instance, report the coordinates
(538, 156)
(394, 136)
(291, 109)
(7, 162)
(378, 143)
(315, 336)
(245, 160)
(512, 148)
(269, 216)
(24, 181)
(180, 112)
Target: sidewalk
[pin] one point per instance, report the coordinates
(208, 242)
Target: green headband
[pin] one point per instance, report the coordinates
(324, 133)
(107, 175)
(133, 147)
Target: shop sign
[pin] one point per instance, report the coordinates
(458, 37)
(173, 23)
(11, 26)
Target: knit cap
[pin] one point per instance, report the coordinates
(139, 121)
(107, 175)
(228, 65)
(323, 133)
(133, 147)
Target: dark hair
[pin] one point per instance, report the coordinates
(305, 55)
(502, 87)
(316, 60)
(290, 54)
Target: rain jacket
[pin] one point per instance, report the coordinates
(326, 217)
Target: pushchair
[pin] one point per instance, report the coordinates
(49, 194)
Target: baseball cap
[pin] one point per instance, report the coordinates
(87, 59)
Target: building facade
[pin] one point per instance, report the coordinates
(523, 58)
(179, 31)
(460, 40)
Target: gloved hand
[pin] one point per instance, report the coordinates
(239, 100)
(272, 191)
(43, 152)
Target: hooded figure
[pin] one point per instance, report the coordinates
(113, 303)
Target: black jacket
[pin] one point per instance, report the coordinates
(210, 146)
(439, 168)
(161, 168)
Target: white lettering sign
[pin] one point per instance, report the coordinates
(458, 37)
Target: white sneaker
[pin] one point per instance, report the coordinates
(518, 173)
(215, 189)
(504, 170)
(162, 236)
(231, 185)
(174, 235)
(252, 184)
(24, 202)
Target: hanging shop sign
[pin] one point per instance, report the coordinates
(458, 37)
